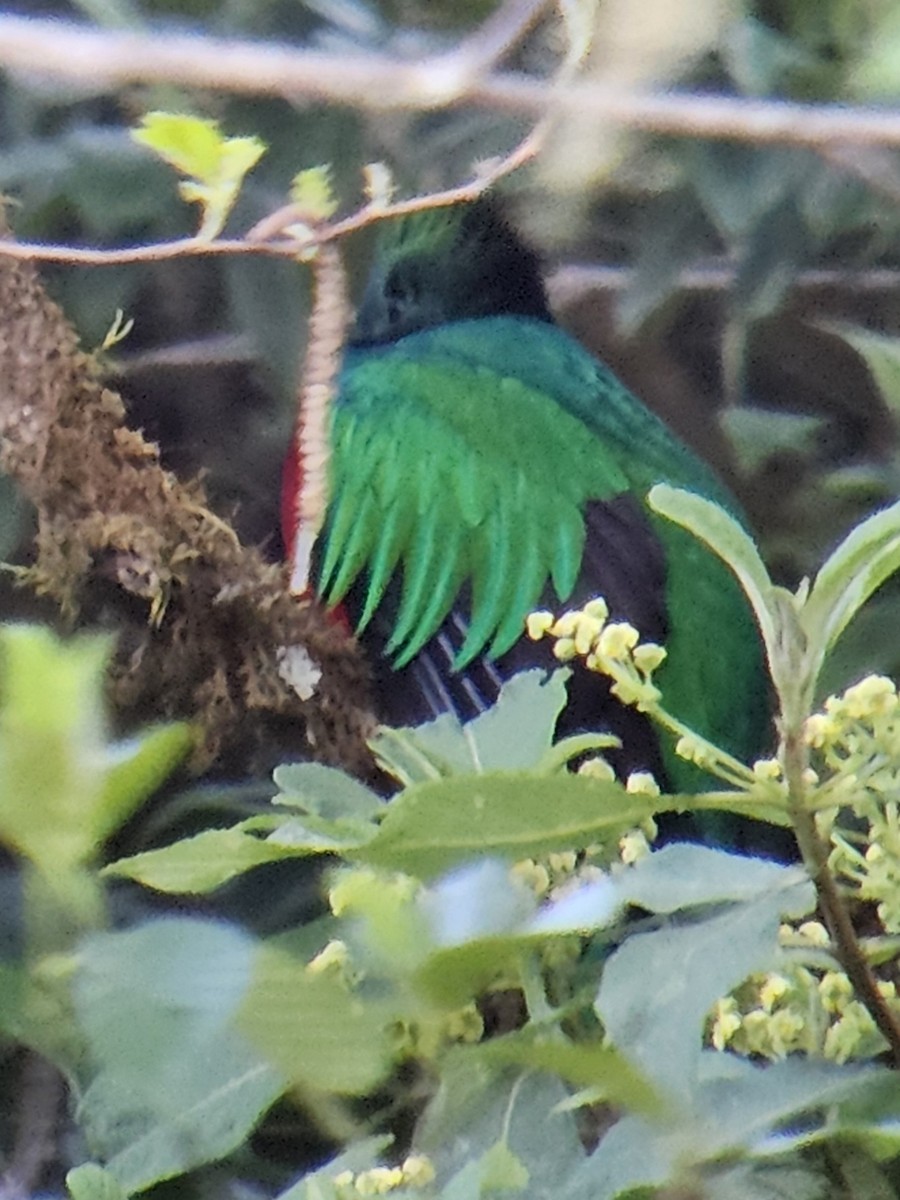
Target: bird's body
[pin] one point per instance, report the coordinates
(483, 465)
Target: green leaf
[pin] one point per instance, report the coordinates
(197, 864)
(90, 1181)
(215, 165)
(868, 556)
(658, 987)
(739, 1103)
(192, 145)
(515, 734)
(325, 792)
(432, 826)
(680, 876)
(312, 192)
(685, 875)
(340, 819)
(313, 1028)
(217, 1106)
(600, 1068)
(453, 977)
(392, 931)
(319, 1185)
(136, 769)
(736, 1109)
(474, 917)
(502, 1171)
(65, 788)
(313, 835)
(478, 1107)
(881, 355)
(724, 535)
(177, 1085)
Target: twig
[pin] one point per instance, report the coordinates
(372, 81)
(568, 283)
(492, 40)
(484, 178)
(151, 252)
(265, 237)
(208, 350)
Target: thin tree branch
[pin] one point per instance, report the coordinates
(150, 252)
(371, 81)
(572, 281)
(504, 29)
(266, 236)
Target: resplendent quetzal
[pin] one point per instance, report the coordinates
(484, 465)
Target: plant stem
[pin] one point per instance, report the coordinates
(834, 912)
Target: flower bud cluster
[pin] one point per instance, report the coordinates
(803, 1008)
(611, 648)
(416, 1171)
(856, 739)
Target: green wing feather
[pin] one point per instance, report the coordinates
(456, 473)
(464, 456)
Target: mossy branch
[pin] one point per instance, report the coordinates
(119, 534)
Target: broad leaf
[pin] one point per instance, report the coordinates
(312, 1028)
(432, 827)
(65, 788)
(658, 987)
(319, 1185)
(198, 864)
(868, 556)
(515, 734)
(881, 355)
(733, 545)
(600, 1068)
(325, 792)
(215, 165)
(90, 1181)
(680, 876)
(480, 1106)
(177, 1085)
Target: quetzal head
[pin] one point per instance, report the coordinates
(447, 264)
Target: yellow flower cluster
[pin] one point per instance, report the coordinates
(802, 1008)
(857, 743)
(429, 1034)
(868, 707)
(415, 1172)
(347, 893)
(612, 648)
(555, 875)
(547, 875)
